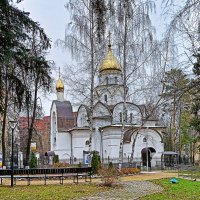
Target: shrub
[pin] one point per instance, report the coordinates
(109, 175)
(80, 164)
(55, 159)
(127, 171)
(33, 161)
(95, 163)
(110, 164)
(60, 165)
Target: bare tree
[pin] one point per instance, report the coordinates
(82, 39)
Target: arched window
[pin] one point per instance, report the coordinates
(105, 98)
(87, 142)
(106, 80)
(54, 128)
(83, 120)
(144, 139)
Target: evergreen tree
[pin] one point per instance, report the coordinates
(20, 67)
(56, 159)
(196, 92)
(95, 163)
(33, 161)
(175, 94)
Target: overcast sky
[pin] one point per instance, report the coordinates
(52, 16)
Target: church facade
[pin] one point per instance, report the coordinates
(113, 121)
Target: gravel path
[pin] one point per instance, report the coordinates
(128, 191)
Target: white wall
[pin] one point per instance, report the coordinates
(63, 145)
(79, 138)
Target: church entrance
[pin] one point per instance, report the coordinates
(147, 156)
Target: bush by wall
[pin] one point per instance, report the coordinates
(61, 165)
(126, 171)
(55, 159)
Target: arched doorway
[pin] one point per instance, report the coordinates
(146, 154)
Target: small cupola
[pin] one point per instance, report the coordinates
(59, 85)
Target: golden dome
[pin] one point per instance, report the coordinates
(110, 63)
(59, 86)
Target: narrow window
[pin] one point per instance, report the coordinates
(115, 80)
(105, 98)
(120, 117)
(87, 142)
(106, 80)
(131, 117)
(144, 139)
(126, 116)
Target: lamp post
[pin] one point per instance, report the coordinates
(12, 125)
(147, 152)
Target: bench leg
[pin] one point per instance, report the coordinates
(28, 181)
(45, 179)
(76, 178)
(61, 180)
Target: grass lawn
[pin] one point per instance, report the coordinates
(183, 190)
(49, 192)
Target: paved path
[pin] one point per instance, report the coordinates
(128, 191)
(133, 187)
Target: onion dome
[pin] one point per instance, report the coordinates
(110, 63)
(59, 86)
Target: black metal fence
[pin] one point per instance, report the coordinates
(189, 172)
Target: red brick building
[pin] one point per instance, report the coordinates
(41, 134)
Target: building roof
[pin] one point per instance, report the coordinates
(65, 117)
(64, 109)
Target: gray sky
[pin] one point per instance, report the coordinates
(52, 16)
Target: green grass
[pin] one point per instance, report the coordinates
(49, 192)
(183, 190)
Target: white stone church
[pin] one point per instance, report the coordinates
(142, 138)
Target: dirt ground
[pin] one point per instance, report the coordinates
(137, 177)
(149, 176)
